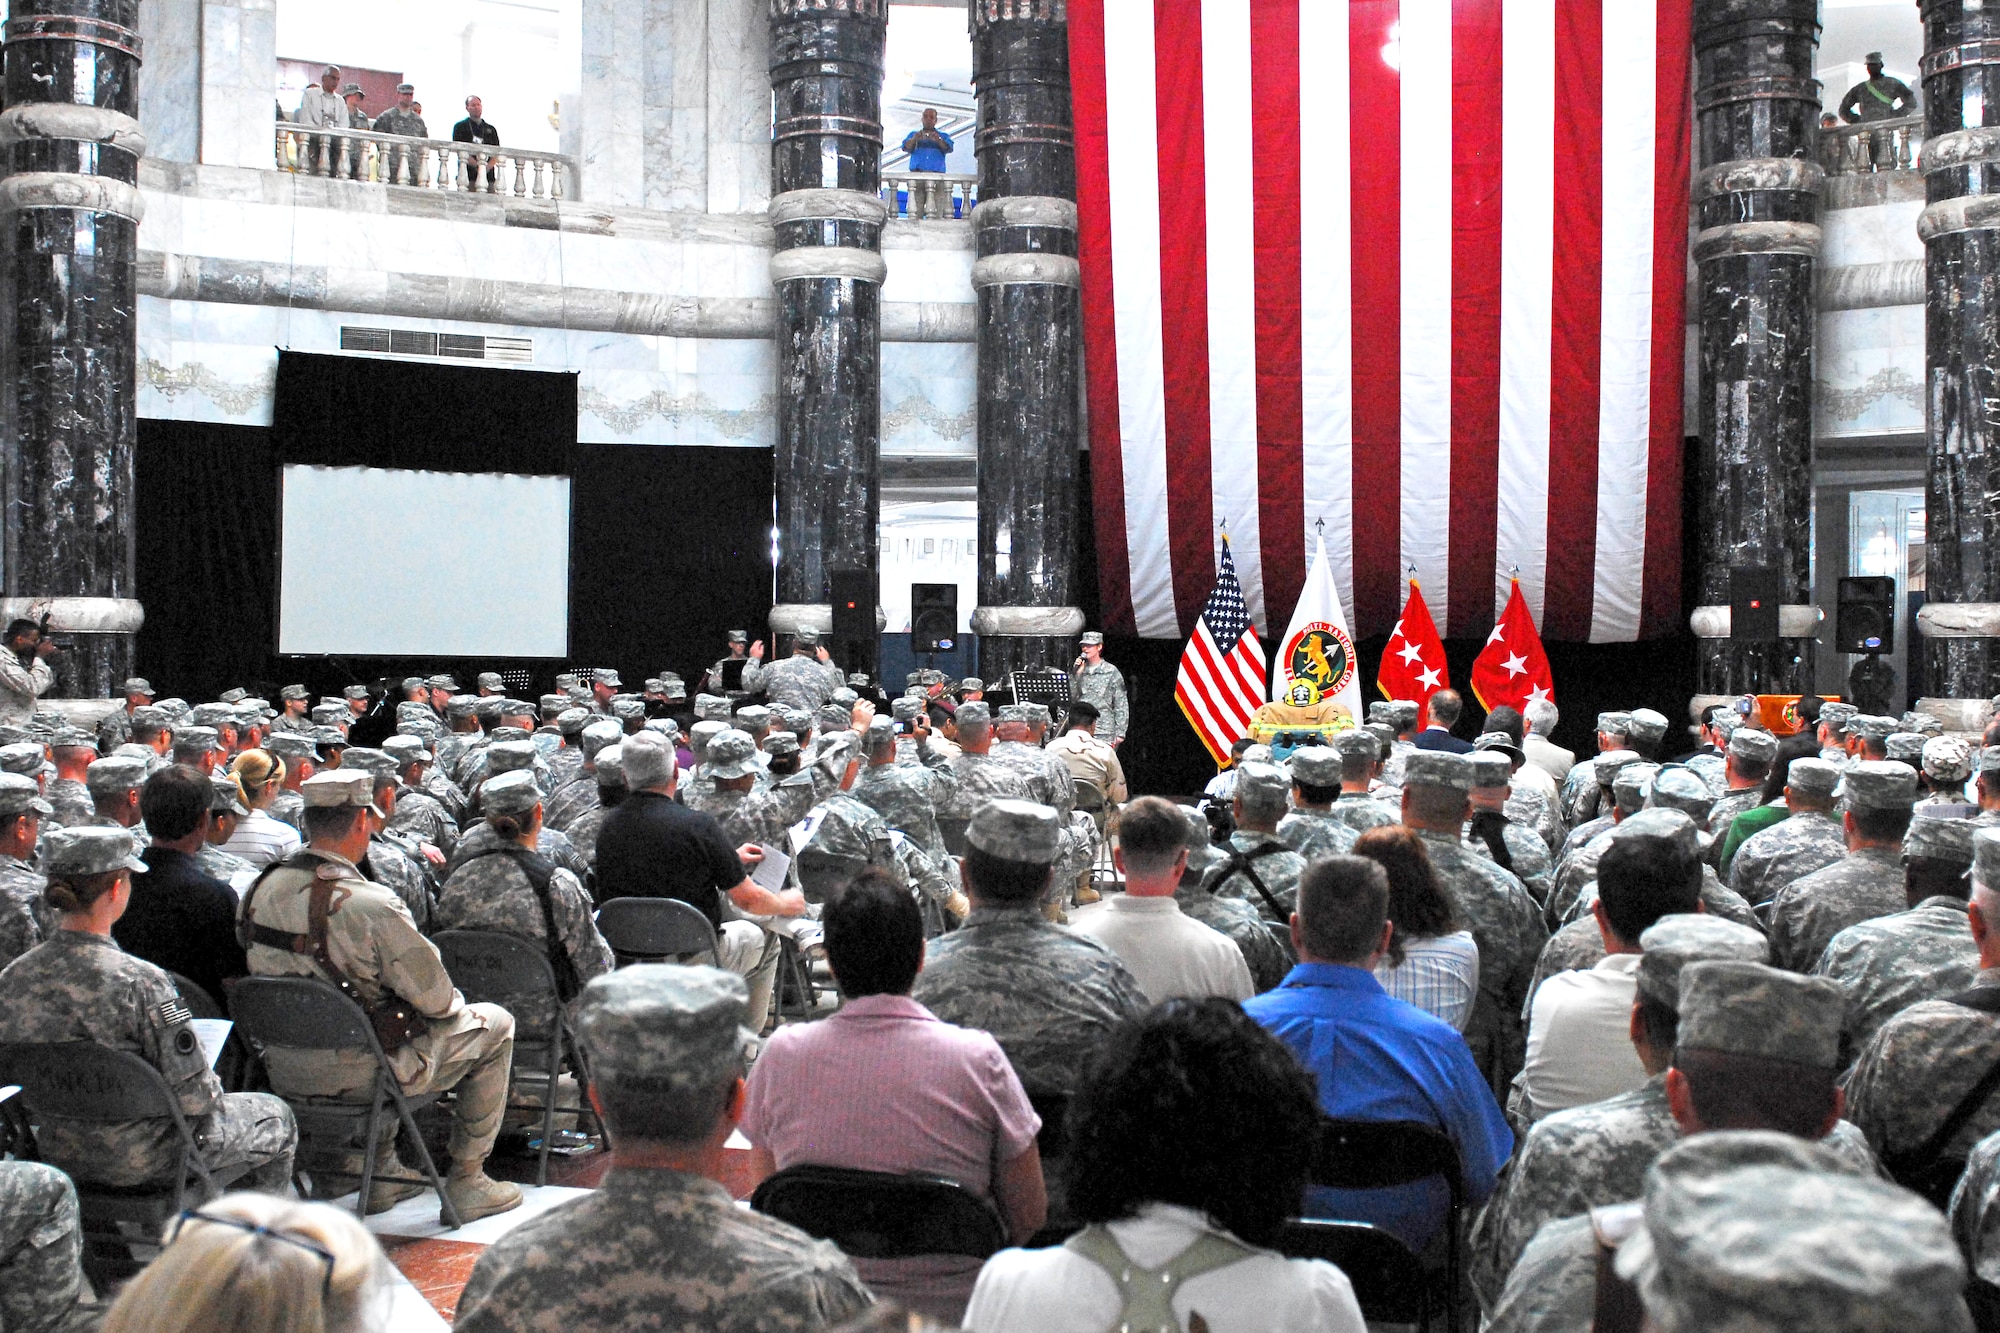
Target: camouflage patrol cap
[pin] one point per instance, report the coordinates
(294, 692)
(1921, 723)
(1015, 713)
(739, 636)
(329, 738)
(977, 713)
(1989, 759)
(1877, 784)
(1384, 734)
(1358, 744)
(1316, 766)
(1871, 726)
(1256, 754)
(490, 680)
(834, 717)
(19, 795)
(711, 708)
(147, 715)
(1631, 784)
(881, 732)
(797, 720)
(1196, 837)
(290, 745)
(1502, 743)
(551, 704)
(233, 696)
(626, 709)
(355, 692)
(1091, 639)
(844, 696)
(504, 735)
(1905, 747)
(1947, 759)
(611, 767)
(1605, 766)
(701, 734)
(572, 721)
(1940, 839)
(972, 685)
(1489, 769)
(661, 1029)
(1647, 725)
(1675, 826)
(462, 706)
(1678, 788)
(502, 756)
(137, 685)
(329, 712)
(1815, 777)
(172, 707)
(906, 709)
(1674, 941)
(197, 739)
(753, 717)
(114, 775)
(673, 691)
(1753, 746)
(1837, 715)
(411, 683)
(732, 755)
(780, 744)
(1615, 724)
(214, 715)
(1727, 722)
(806, 638)
(665, 726)
(1744, 1008)
(339, 789)
(510, 793)
(913, 680)
(89, 849)
(1019, 831)
(73, 738)
(1437, 768)
(1769, 1245)
(406, 750)
(1381, 710)
(225, 796)
(1403, 713)
(1257, 779)
(566, 681)
(377, 764)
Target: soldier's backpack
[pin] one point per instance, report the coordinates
(541, 872)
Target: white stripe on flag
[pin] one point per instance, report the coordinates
(1232, 288)
(1426, 291)
(1132, 131)
(1527, 275)
(1326, 324)
(1625, 393)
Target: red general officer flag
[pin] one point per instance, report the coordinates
(1512, 669)
(1413, 665)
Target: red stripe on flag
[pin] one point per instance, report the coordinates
(1660, 597)
(1281, 481)
(1375, 137)
(1475, 313)
(1576, 310)
(1184, 303)
(1100, 324)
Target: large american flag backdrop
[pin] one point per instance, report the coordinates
(1415, 267)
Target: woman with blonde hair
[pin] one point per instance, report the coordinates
(259, 838)
(252, 1263)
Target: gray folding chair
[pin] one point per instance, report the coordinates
(306, 1014)
(655, 930)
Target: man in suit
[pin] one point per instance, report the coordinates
(1541, 717)
(1445, 707)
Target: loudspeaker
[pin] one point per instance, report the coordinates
(1865, 620)
(933, 617)
(1754, 591)
(854, 639)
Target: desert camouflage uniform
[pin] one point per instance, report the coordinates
(1277, 868)
(571, 801)
(1268, 958)
(1103, 686)
(1919, 1065)
(41, 1251)
(1887, 965)
(1808, 912)
(1495, 906)
(1362, 813)
(72, 802)
(492, 892)
(81, 987)
(801, 682)
(1797, 845)
(660, 1251)
(25, 919)
(977, 779)
(1313, 833)
(1048, 995)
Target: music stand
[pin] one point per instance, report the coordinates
(732, 674)
(1039, 685)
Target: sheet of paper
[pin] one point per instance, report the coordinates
(770, 872)
(802, 832)
(211, 1033)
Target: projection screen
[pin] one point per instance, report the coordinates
(392, 563)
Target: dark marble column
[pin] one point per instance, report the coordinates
(826, 162)
(1960, 227)
(69, 204)
(1030, 352)
(1757, 189)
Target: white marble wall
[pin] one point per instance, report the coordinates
(170, 80)
(238, 81)
(1869, 364)
(739, 106)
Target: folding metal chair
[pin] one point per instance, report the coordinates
(880, 1215)
(656, 930)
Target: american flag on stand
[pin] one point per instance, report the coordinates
(1221, 680)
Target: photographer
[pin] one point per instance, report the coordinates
(25, 674)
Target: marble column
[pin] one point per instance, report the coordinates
(826, 162)
(69, 205)
(1757, 188)
(1029, 336)
(1960, 227)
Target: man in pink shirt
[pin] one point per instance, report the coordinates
(884, 1085)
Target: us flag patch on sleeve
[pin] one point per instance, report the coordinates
(173, 1012)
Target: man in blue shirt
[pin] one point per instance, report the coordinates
(929, 146)
(1375, 1057)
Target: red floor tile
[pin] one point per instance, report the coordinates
(438, 1269)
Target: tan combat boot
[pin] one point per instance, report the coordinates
(475, 1194)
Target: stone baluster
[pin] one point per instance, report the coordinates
(1030, 349)
(69, 163)
(826, 155)
(1960, 227)
(1757, 190)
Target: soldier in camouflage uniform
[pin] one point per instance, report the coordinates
(1886, 965)
(1580, 797)
(25, 917)
(806, 679)
(739, 651)
(1634, 789)
(1401, 717)
(1047, 995)
(298, 754)
(572, 799)
(78, 985)
(1312, 829)
(1605, 769)
(1946, 765)
(295, 707)
(566, 760)
(1527, 855)
(492, 891)
(74, 751)
(908, 796)
(748, 815)
(1747, 762)
(114, 783)
(1267, 949)
(42, 1286)
(1360, 760)
(1807, 839)
(115, 727)
(610, 779)
(977, 776)
(225, 808)
(653, 1247)
(463, 736)
(1102, 685)
(1258, 866)
(419, 813)
(1867, 883)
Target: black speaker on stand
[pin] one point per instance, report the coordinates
(933, 619)
(855, 643)
(1864, 619)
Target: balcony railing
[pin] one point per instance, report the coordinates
(423, 164)
(929, 194)
(1877, 145)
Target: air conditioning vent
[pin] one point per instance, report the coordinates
(417, 343)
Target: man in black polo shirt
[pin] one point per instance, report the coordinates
(651, 846)
(181, 919)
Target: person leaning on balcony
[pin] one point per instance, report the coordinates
(404, 119)
(1879, 98)
(321, 108)
(475, 129)
(357, 119)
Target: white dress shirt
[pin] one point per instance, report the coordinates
(1439, 974)
(1170, 953)
(260, 839)
(1580, 1038)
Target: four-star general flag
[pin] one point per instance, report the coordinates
(1317, 646)
(1416, 266)
(1221, 680)
(1413, 665)
(1512, 669)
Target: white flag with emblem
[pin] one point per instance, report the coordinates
(1317, 648)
